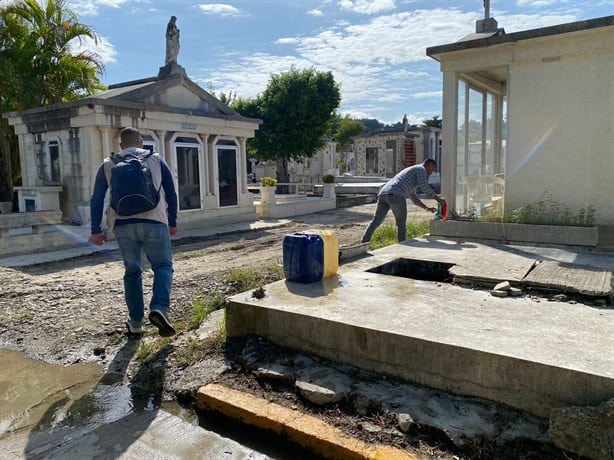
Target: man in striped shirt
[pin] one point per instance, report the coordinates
(394, 194)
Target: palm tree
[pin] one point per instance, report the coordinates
(38, 64)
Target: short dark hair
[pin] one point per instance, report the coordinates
(430, 161)
(130, 137)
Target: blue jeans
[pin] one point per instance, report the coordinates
(154, 240)
(398, 205)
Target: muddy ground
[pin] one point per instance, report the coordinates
(73, 311)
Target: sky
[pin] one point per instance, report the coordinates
(376, 49)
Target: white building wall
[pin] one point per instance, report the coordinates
(561, 123)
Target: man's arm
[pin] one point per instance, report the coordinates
(426, 189)
(171, 195)
(97, 200)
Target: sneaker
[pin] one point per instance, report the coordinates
(161, 321)
(134, 327)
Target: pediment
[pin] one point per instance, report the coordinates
(173, 94)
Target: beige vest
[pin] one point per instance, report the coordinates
(159, 213)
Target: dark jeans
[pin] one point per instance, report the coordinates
(398, 205)
(153, 239)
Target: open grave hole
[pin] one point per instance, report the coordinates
(425, 270)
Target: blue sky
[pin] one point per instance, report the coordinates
(375, 48)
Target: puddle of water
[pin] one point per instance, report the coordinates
(49, 410)
(29, 388)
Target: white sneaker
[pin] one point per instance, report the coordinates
(135, 327)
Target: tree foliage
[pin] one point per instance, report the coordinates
(345, 130)
(372, 125)
(297, 109)
(40, 66)
(434, 122)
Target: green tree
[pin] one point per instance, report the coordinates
(297, 109)
(434, 122)
(345, 130)
(372, 125)
(39, 67)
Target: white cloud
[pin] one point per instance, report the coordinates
(427, 94)
(519, 22)
(219, 9)
(286, 41)
(91, 7)
(367, 6)
(381, 60)
(535, 3)
(399, 38)
(315, 12)
(104, 49)
(248, 76)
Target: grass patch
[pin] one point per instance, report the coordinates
(147, 348)
(545, 211)
(243, 279)
(202, 306)
(386, 234)
(198, 349)
(116, 338)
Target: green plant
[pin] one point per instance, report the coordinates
(328, 178)
(387, 233)
(148, 348)
(198, 349)
(202, 306)
(268, 181)
(548, 211)
(116, 338)
(243, 279)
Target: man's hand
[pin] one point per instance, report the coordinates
(98, 239)
(172, 231)
(431, 209)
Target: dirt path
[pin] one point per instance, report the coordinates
(73, 310)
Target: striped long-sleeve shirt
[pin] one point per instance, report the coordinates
(407, 183)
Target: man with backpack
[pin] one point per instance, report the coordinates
(143, 216)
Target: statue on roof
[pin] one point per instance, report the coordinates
(172, 41)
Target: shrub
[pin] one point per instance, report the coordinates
(548, 211)
(268, 181)
(328, 178)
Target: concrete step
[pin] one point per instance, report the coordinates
(305, 430)
(526, 352)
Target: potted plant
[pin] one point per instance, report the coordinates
(329, 186)
(267, 190)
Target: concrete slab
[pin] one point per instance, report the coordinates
(583, 279)
(529, 354)
(155, 435)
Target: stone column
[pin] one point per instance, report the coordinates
(243, 163)
(449, 138)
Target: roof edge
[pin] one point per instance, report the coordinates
(606, 21)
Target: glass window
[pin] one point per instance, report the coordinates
(461, 162)
(372, 160)
(474, 133)
(53, 152)
(227, 174)
(188, 172)
(480, 154)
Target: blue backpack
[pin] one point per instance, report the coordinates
(132, 187)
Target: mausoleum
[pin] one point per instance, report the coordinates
(202, 139)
